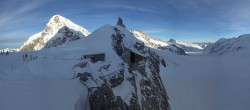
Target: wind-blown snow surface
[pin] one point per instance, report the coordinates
(204, 82)
(41, 84)
(40, 94)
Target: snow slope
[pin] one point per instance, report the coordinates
(148, 40)
(36, 77)
(157, 43)
(231, 45)
(40, 94)
(49, 37)
(207, 82)
(196, 82)
(202, 44)
(188, 47)
(38, 84)
(161, 44)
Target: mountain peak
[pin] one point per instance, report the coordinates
(51, 32)
(120, 22)
(57, 19)
(172, 41)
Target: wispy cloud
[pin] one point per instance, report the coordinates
(16, 20)
(126, 7)
(191, 4)
(13, 14)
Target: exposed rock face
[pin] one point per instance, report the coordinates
(64, 35)
(120, 22)
(172, 41)
(153, 93)
(118, 77)
(102, 98)
(117, 43)
(122, 84)
(31, 46)
(180, 51)
(156, 97)
(84, 76)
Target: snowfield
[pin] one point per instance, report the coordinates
(206, 82)
(46, 78)
(41, 94)
(195, 82)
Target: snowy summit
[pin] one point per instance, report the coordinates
(58, 31)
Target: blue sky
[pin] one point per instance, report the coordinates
(183, 20)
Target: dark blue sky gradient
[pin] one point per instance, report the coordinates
(183, 20)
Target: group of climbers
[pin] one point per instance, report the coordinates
(27, 58)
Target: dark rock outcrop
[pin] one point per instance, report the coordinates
(180, 50)
(117, 42)
(120, 22)
(103, 98)
(117, 77)
(66, 35)
(154, 95)
(141, 77)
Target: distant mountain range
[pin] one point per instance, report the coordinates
(60, 30)
(10, 49)
(224, 45)
(202, 44)
(165, 45)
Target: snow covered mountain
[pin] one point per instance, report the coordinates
(10, 50)
(111, 69)
(188, 47)
(58, 31)
(157, 43)
(202, 44)
(223, 45)
(148, 40)
(114, 69)
(171, 45)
